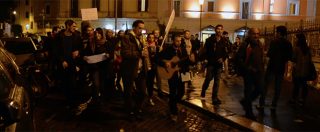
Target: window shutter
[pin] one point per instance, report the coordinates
(147, 5)
(139, 5)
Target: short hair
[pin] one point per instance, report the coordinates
(186, 31)
(153, 31)
(175, 36)
(225, 33)
(282, 30)
(68, 22)
(100, 31)
(150, 34)
(250, 31)
(219, 25)
(136, 23)
(55, 28)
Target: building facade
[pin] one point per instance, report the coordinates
(194, 15)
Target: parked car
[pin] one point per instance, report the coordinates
(23, 48)
(31, 62)
(16, 109)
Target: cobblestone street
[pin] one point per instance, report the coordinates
(111, 116)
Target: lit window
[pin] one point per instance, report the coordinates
(211, 6)
(293, 8)
(96, 4)
(143, 5)
(176, 6)
(271, 6)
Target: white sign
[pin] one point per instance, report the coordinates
(89, 14)
(170, 21)
(95, 58)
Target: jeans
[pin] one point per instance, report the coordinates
(176, 92)
(253, 87)
(277, 78)
(215, 73)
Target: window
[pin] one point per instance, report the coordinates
(8, 63)
(47, 9)
(74, 8)
(27, 14)
(5, 84)
(293, 8)
(176, 6)
(271, 6)
(245, 10)
(96, 4)
(210, 6)
(143, 5)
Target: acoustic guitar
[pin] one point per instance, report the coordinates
(167, 72)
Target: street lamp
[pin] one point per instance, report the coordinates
(200, 3)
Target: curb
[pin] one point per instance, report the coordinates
(226, 116)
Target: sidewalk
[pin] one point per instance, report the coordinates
(287, 118)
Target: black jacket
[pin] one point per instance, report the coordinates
(169, 52)
(215, 50)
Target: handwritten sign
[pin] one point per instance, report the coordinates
(89, 14)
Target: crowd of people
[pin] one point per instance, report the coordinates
(89, 65)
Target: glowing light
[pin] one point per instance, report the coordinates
(124, 27)
(14, 12)
(228, 8)
(258, 16)
(201, 2)
(228, 15)
(192, 14)
(27, 26)
(109, 26)
(194, 7)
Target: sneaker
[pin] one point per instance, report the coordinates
(292, 102)
(174, 117)
(301, 102)
(139, 115)
(132, 116)
(151, 102)
(216, 101)
(273, 110)
(251, 116)
(260, 109)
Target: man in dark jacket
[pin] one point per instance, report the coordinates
(216, 54)
(279, 53)
(176, 86)
(250, 63)
(133, 69)
(69, 42)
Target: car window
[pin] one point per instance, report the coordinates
(19, 46)
(5, 84)
(8, 63)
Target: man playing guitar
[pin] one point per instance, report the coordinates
(181, 59)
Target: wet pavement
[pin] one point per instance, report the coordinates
(51, 114)
(195, 114)
(286, 118)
